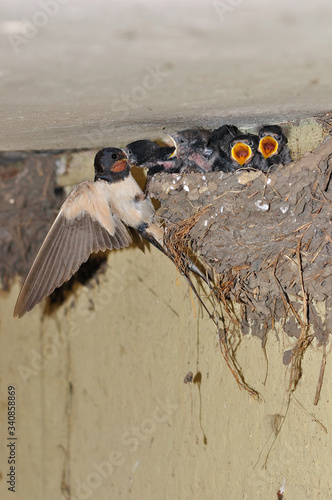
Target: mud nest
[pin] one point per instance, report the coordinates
(266, 238)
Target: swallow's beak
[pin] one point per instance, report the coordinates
(174, 144)
(268, 146)
(120, 165)
(131, 158)
(241, 153)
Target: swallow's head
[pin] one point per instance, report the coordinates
(138, 152)
(271, 140)
(181, 143)
(111, 164)
(242, 148)
(187, 141)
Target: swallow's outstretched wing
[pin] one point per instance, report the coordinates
(85, 224)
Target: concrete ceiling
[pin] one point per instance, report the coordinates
(78, 74)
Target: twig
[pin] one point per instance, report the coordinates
(329, 173)
(192, 301)
(321, 376)
(308, 413)
(319, 250)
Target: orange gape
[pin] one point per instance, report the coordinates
(241, 153)
(268, 146)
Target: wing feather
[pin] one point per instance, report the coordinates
(43, 266)
(78, 231)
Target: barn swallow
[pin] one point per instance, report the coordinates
(146, 153)
(94, 217)
(155, 158)
(222, 136)
(217, 149)
(242, 153)
(188, 140)
(190, 147)
(273, 145)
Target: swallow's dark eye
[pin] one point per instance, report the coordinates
(114, 156)
(182, 141)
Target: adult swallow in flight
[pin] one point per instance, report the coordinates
(94, 217)
(273, 145)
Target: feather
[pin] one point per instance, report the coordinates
(85, 224)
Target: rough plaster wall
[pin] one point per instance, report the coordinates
(126, 359)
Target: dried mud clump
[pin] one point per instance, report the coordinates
(267, 238)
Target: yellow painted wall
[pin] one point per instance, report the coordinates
(108, 415)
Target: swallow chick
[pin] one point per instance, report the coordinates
(155, 158)
(95, 216)
(217, 149)
(188, 140)
(273, 146)
(149, 154)
(242, 153)
(190, 147)
(222, 136)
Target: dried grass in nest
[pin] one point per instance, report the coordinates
(177, 238)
